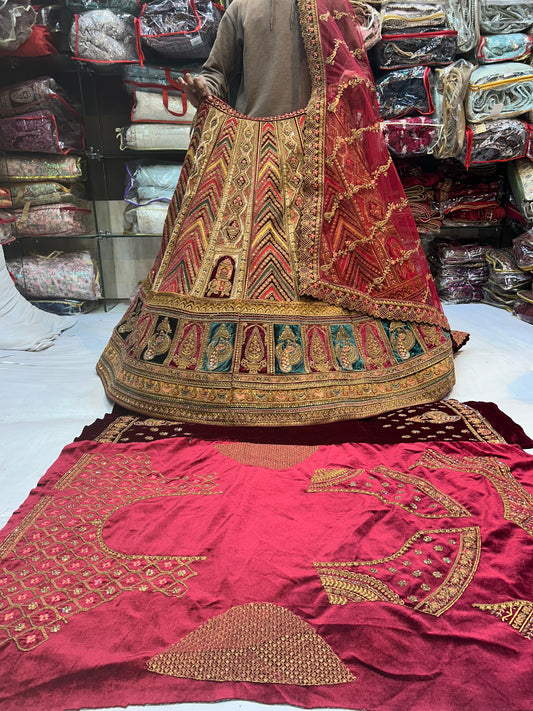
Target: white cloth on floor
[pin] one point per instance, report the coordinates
(24, 327)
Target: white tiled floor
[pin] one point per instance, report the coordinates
(47, 397)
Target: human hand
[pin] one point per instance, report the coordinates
(194, 88)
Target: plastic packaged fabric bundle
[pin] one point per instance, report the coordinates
(147, 219)
(146, 78)
(32, 95)
(161, 106)
(54, 220)
(499, 140)
(151, 182)
(520, 176)
(495, 297)
(66, 275)
(452, 252)
(410, 49)
(154, 136)
(64, 307)
(101, 36)
(129, 6)
(522, 249)
(505, 16)
(412, 135)
(399, 16)
(504, 272)
(41, 131)
(514, 47)
(7, 227)
(404, 91)
(180, 29)
(463, 16)
(17, 18)
(29, 167)
(502, 90)
(461, 270)
(46, 193)
(449, 90)
(523, 306)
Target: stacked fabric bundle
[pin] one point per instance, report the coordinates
(500, 91)
(161, 117)
(505, 280)
(149, 189)
(24, 30)
(460, 270)
(419, 184)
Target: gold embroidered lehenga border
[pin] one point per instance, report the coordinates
(280, 296)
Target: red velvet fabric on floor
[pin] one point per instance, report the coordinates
(356, 575)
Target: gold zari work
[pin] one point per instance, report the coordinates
(518, 614)
(258, 642)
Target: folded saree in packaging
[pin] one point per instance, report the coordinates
(496, 141)
(505, 16)
(291, 286)
(520, 175)
(404, 91)
(514, 47)
(523, 250)
(523, 306)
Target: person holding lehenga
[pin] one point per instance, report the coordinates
(290, 287)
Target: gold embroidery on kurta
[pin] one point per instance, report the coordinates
(429, 573)
(257, 642)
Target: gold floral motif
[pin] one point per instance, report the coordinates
(219, 348)
(159, 342)
(436, 417)
(411, 493)
(222, 283)
(350, 581)
(374, 349)
(186, 353)
(518, 614)
(257, 642)
(254, 353)
(130, 321)
(517, 502)
(288, 351)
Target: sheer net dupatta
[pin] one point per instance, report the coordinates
(358, 246)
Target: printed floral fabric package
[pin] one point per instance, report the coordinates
(67, 275)
(154, 136)
(504, 16)
(502, 90)
(28, 96)
(404, 91)
(432, 48)
(102, 36)
(28, 167)
(412, 135)
(495, 141)
(46, 193)
(514, 47)
(42, 132)
(180, 28)
(54, 220)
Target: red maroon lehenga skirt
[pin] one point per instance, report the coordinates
(290, 287)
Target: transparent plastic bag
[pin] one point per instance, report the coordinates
(7, 227)
(523, 306)
(432, 48)
(404, 91)
(54, 220)
(499, 140)
(146, 78)
(28, 167)
(504, 272)
(5, 198)
(180, 28)
(449, 88)
(452, 252)
(17, 19)
(504, 16)
(147, 219)
(151, 182)
(32, 95)
(412, 135)
(501, 90)
(46, 193)
(104, 37)
(161, 106)
(369, 20)
(514, 47)
(398, 15)
(42, 132)
(522, 249)
(68, 275)
(121, 6)
(154, 136)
